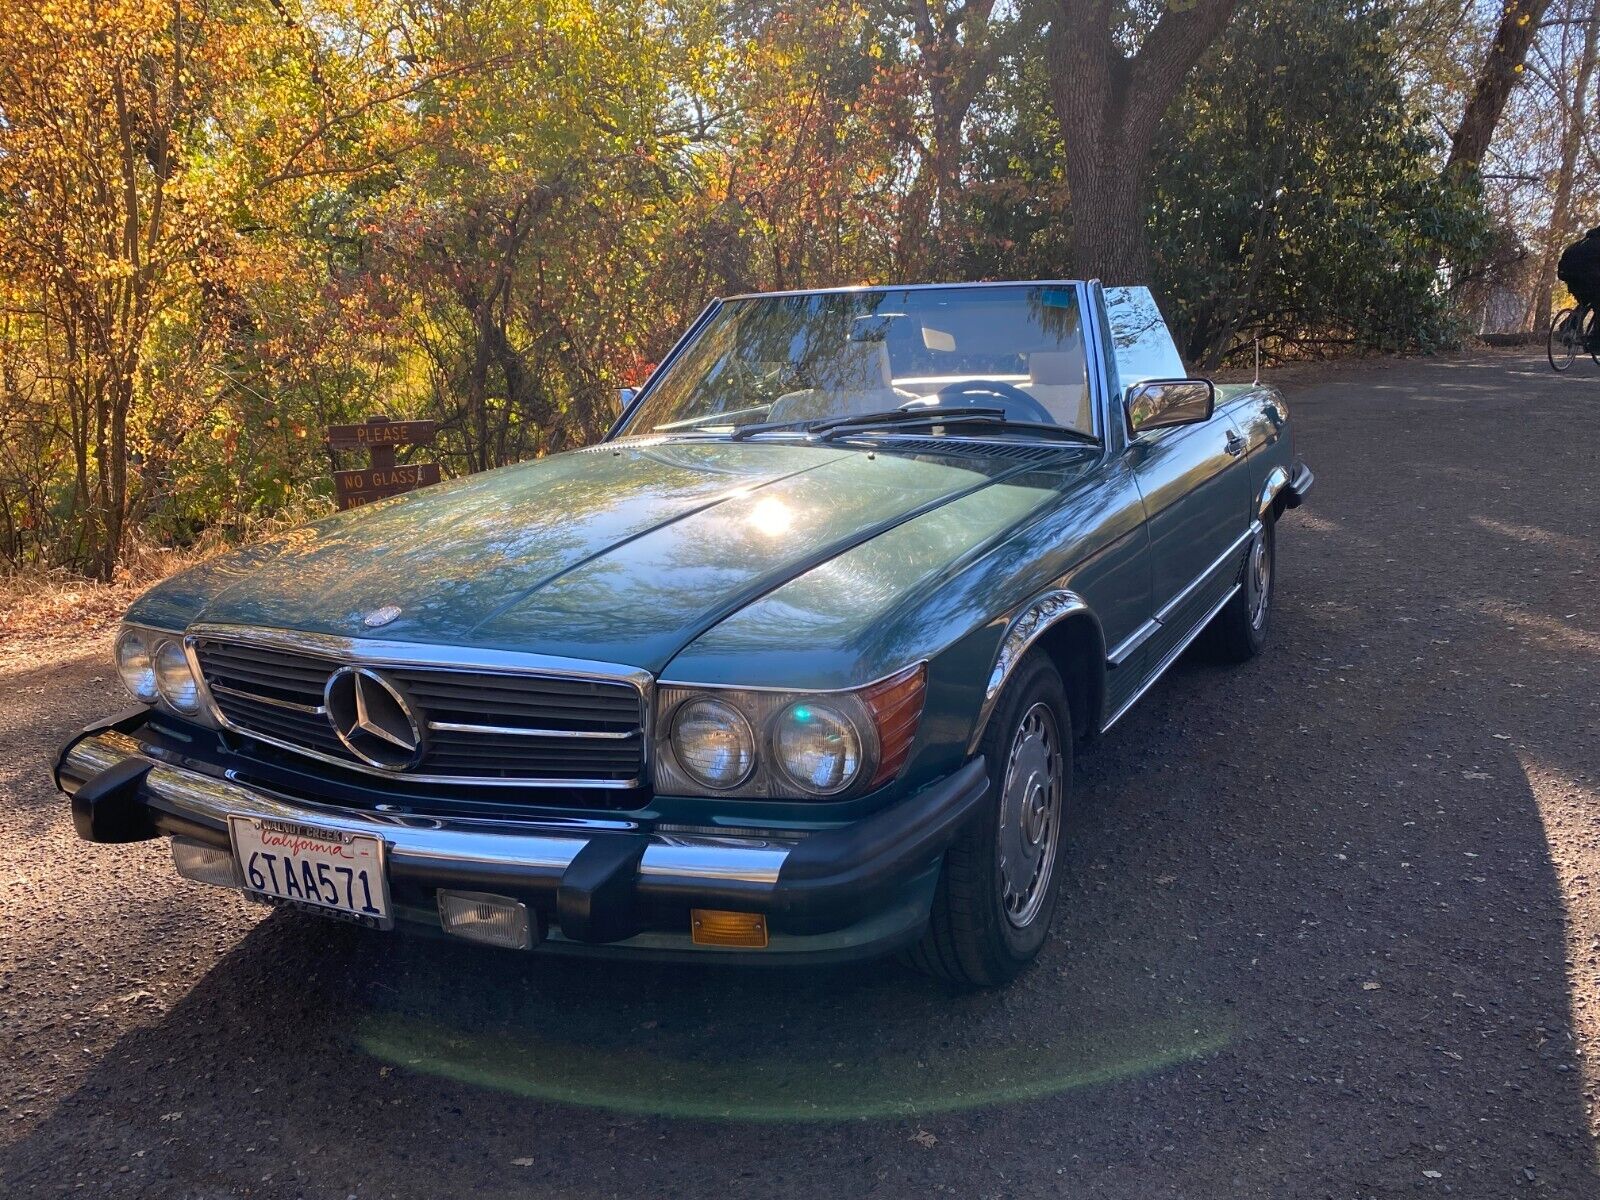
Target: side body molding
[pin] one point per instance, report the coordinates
(1032, 621)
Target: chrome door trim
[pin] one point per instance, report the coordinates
(1172, 657)
(378, 653)
(1124, 649)
(1164, 613)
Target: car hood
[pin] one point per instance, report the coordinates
(621, 553)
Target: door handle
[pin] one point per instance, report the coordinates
(1236, 444)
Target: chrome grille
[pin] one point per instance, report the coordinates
(491, 726)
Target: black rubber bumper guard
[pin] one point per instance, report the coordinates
(828, 880)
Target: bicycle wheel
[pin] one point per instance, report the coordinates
(1591, 335)
(1561, 347)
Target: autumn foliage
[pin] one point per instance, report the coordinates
(225, 224)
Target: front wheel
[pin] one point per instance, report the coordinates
(1239, 632)
(1561, 347)
(998, 888)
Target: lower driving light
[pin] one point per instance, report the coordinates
(174, 680)
(817, 746)
(484, 917)
(136, 666)
(205, 864)
(713, 743)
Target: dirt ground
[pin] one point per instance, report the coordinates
(1331, 926)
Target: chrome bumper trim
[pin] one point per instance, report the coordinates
(432, 844)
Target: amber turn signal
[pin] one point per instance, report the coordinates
(714, 927)
(896, 707)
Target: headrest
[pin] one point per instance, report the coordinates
(1056, 367)
(858, 367)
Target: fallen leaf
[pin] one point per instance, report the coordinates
(1371, 985)
(924, 1139)
(1433, 1175)
(522, 1162)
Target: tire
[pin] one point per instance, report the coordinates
(1561, 347)
(1239, 632)
(989, 920)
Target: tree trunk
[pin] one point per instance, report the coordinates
(1571, 144)
(1519, 25)
(1109, 200)
(1110, 108)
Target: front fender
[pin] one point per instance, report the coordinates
(1084, 672)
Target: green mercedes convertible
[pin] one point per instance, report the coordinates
(788, 668)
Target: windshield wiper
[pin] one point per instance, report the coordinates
(822, 430)
(938, 413)
(891, 416)
(944, 415)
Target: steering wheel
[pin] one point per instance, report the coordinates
(1016, 403)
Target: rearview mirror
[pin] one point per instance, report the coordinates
(1161, 403)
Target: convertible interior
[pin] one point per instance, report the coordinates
(859, 377)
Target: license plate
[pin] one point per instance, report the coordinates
(322, 870)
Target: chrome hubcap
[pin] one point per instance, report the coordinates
(1030, 815)
(1260, 581)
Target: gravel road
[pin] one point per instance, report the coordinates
(1331, 925)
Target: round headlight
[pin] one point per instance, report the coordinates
(713, 743)
(174, 680)
(135, 665)
(818, 747)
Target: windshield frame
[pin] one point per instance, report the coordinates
(1090, 323)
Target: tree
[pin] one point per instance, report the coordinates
(956, 45)
(1299, 200)
(1574, 111)
(1502, 64)
(1110, 105)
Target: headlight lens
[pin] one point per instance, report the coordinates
(767, 744)
(174, 680)
(817, 746)
(136, 665)
(713, 743)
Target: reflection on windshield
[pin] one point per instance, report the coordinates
(801, 359)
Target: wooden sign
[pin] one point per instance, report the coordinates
(379, 436)
(374, 482)
(378, 431)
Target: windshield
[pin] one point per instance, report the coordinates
(802, 359)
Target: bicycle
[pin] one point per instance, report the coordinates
(1572, 332)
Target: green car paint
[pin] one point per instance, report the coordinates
(798, 564)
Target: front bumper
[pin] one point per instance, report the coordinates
(602, 882)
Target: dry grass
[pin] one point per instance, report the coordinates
(43, 614)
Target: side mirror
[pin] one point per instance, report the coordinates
(625, 396)
(1161, 403)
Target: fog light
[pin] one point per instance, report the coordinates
(482, 917)
(714, 927)
(205, 864)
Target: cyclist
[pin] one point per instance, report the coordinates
(1579, 269)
